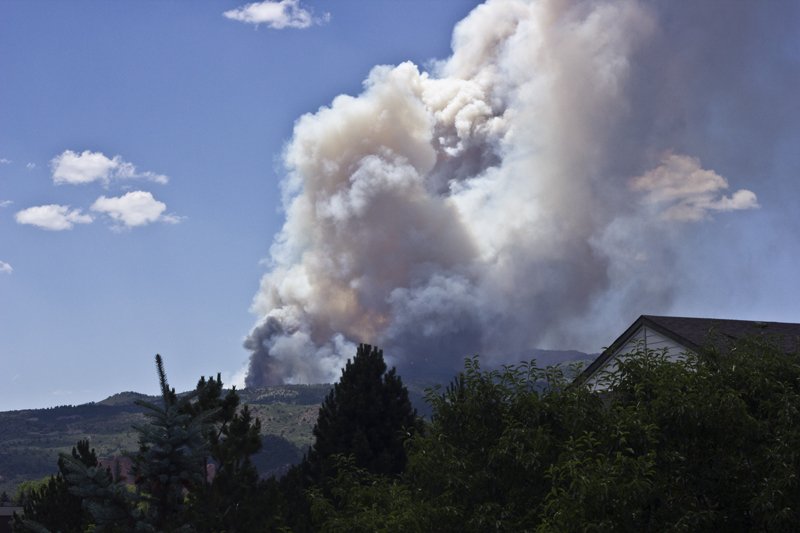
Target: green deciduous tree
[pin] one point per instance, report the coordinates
(708, 442)
(362, 502)
(725, 440)
(482, 462)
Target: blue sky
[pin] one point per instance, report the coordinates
(176, 89)
(571, 166)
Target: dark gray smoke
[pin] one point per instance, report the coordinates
(536, 181)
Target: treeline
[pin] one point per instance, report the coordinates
(709, 442)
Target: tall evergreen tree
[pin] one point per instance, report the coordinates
(228, 502)
(106, 498)
(169, 465)
(171, 457)
(52, 505)
(367, 415)
(185, 440)
(366, 418)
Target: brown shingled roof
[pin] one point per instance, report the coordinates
(697, 332)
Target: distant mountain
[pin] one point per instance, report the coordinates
(125, 398)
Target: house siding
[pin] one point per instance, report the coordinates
(644, 338)
(653, 340)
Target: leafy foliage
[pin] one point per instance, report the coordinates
(707, 442)
(360, 501)
(482, 463)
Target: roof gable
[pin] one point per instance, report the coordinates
(694, 333)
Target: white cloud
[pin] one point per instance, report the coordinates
(30, 166)
(85, 167)
(276, 14)
(4, 161)
(52, 217)
(6, 203)
(136, 208)
(681, 190)
(5, 268)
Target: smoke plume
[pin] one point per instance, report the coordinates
(537, 180)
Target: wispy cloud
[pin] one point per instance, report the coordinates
(52, 217)
(77, 168)
(136, 208)
(682, 190)
(277, 14)
(6, 203)
(4, 161)
(30, 166)
(5, 268)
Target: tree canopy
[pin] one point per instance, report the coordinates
(367, 415)
(706, 442)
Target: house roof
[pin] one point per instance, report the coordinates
(694, 333)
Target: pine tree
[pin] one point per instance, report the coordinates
(170, 462)
(111, 506)
(181, 440)
(171, 457)
(366, 418)
(230, 501)
(367, 415)
(52, 506)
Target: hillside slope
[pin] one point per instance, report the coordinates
(31, 439)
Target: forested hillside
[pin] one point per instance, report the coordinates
(30, 440)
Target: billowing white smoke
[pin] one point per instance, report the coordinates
(539, 176)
